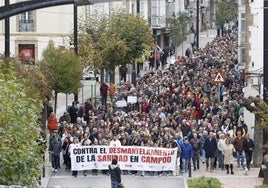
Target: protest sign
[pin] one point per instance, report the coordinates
(121, 103)
(132, 99)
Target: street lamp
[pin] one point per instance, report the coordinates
(7, 33)
(197, 24)
(134, 73)
(75, 19)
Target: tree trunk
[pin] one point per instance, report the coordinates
(44, 117)
(112, 75)
(56, 101)
(222, 29)
(102, 76)
(258, 141)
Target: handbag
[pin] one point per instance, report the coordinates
(121, 185)
(65, 151)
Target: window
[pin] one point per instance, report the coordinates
(143, 7)
(26, 22)
(242, 55)
(243, 29)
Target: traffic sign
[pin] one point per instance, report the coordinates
(218, 78)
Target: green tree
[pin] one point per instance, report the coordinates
(177, 26)
(35, 78)
(62, 70)
(118, 39)
(134, 31)
(21, 156)
(259, 108)
(39, 85)
(226, 11)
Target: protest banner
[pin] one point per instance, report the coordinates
(129, 158)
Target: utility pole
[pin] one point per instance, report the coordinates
(7, 34)
(133, 73)
(75, 29)
(197, 24)
(75, 39)
(265, 57)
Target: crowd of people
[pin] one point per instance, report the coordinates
(179, 106)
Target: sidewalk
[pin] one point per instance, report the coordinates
(239, 179)
(90, 89)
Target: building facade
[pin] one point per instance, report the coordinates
(250, 50)
(31, 31)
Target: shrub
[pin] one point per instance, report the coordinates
(204, 182)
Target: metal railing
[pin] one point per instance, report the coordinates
(26, 26)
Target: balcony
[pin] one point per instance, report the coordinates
(192, 4)
(26, 26)
(158, 22)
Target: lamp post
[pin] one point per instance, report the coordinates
(197, 24)
(75, 37)
(265, 57)
(7, 33)
(134, 73)
(155, 52)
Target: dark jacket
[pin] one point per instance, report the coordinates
(115, 173)
(55, 147)
(104, 89)
(210, 147)
(248, 145)
(196, 144)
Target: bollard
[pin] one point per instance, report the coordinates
(189, 168)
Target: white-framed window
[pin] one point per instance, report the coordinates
(243, 27)
(26, 22)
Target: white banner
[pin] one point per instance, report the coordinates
(129, 158)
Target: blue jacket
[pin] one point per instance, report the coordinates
(186, 151)
(180, 142)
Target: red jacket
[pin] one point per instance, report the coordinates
(52, 123)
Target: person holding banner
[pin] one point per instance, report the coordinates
(115, 141)
(175, 144)
(115, 174)
(75, 143)
(85, 142)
